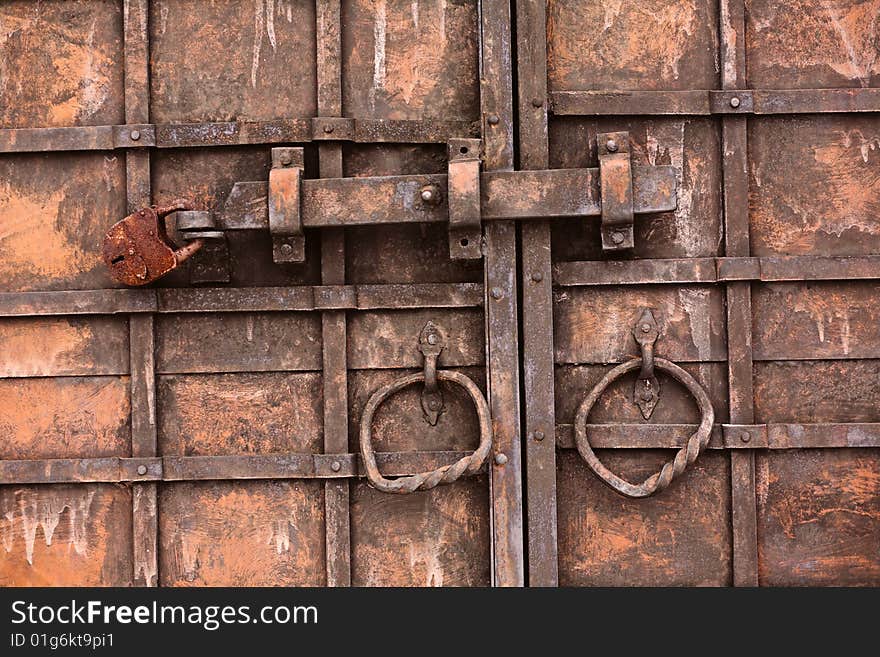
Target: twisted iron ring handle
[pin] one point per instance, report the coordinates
(443, 475)
(683, 457)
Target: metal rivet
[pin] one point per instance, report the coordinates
(501, 459)
(734, 102)
(493, 119)
(135, 135)
(611, 146)
(745, 437)
(286, 249)
(539, 436)
(432, 338)
(336, 466)
(617, 237)
(646, 328)
(537, 277)
(647, 395)
(190, 577)
(430, 194)
(434, 405)
(537, 102)
(286, 159)
(496, 293)
(328, 129)
(427, 195)
(142, 469)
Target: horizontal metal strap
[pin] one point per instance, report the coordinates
(253, 299)
(726, 436)
(715, 270)
(709, 101)
(200, 468)
(230, 133)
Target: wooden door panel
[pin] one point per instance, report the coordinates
(790, 182)
(54, 211)
(692, 145)
(66, 535)
(230, 60)
(242, 533)
(214, 432)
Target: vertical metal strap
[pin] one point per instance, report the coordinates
(739, 314)
(333, 324)
(537, 339)
(496, 105)
(145, 528)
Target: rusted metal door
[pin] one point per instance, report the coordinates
(205, 430)
(761, 285)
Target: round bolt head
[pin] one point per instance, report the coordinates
(336, 466)
(427, 195)
(646, 328)
(745, 436)
(501, 459)
(537, 102)
(432, 338)
(734, 102)
(286, 249)
(617, 237)
(142, 470)
(493, 119)
(496, 293)
(539, 436)
(537, 277)
(135, 135)
(434, 405)
(647, 395)
(611, 146)
(286, 159)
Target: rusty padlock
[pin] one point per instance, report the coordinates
(137, 249)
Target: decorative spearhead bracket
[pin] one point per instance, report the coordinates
(646, 393)
(431, 343)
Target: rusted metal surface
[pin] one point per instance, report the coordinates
(137, 250)
(143, 421)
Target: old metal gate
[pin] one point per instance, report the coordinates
(323, 387)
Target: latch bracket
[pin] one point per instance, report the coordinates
(463, 181)
(285, 212)
(616, 191)
(431, 343)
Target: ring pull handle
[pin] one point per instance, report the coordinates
(469, 464)
(647, 364)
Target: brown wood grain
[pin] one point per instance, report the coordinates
(678, 538)
(815, 184)
(63, 346)
(816, 320)
(54, 212)
(65, 535)
(405, 60)
(819, 517)
(813, 44)
(242, 534)
(61, 64)
(246, 413)
(615, 45)
(594, 325)
(66, 417)
(236, 342)
(432, 538)
(252, 60)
